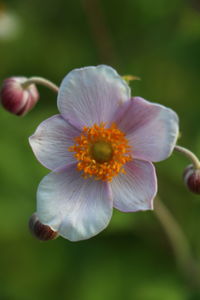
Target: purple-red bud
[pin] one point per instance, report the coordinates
(40, 231)
(16, 98)
(192, 179)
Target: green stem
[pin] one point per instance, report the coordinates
(42, 81)
(184, 258)
(100, 31)
(190, 155)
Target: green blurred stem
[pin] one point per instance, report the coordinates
(41, 81)
(94, 12)
(190, 155)
(184, 258)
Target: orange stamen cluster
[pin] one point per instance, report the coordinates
(114, 138)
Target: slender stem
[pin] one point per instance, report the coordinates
(193, 158)
(179, 243)
(100, 31)
(42, 81)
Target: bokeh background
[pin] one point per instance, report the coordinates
(157, 40)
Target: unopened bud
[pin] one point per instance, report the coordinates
(192, 179)
(17, 98)
(40, 231)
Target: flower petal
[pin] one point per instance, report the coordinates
(77, 208)
(90, 95)
(51, 141)
(150, 128)
(136, 189)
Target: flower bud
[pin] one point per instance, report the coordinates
(40, 231)
(192, 179)
(17, 98)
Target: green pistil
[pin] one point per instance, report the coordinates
(101, 151)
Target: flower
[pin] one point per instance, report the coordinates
(100, 149)
(17, 98)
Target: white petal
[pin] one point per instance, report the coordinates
(51, 141)
(77, 208)
(91, 95)
(136, 189)
(150, 128)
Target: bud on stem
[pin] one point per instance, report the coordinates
(191, 174)
(19, 94)
(191, 178)
(17, 99)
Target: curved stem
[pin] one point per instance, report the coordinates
(179, 243)
(193, 158)
(42, 81)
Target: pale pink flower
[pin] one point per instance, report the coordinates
(100, 149)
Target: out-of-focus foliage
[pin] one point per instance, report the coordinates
(157, 40)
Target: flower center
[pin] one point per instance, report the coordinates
(101, 152)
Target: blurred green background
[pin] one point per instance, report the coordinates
(157, 40)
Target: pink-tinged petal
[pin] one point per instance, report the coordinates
(90, 95)
(136, 189)
(77, 208)
(150, 128)
(51, 141)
